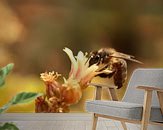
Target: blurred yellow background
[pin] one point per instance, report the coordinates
(34, 32)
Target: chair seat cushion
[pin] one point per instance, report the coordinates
(131, 111)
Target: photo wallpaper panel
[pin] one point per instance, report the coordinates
(50, 51)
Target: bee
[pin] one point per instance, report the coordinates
(112, 64)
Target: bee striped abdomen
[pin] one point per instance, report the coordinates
(120, 67)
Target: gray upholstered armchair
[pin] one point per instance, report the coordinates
(141, 104)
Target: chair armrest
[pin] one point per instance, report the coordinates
(148, 101)
(150, 88)
(102, 85)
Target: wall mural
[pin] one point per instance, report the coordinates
(105, 63)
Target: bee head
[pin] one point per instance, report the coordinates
(94, 58)
(97, 57)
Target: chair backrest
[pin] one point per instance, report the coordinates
(143, 77)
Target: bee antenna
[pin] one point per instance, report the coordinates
(88, 59)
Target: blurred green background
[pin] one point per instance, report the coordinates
(34, 32)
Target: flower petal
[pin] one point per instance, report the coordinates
(90, 69)
(74, 65)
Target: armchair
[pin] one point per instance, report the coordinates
(138, 107)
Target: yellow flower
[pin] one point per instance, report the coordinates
(72, 92)
(52, 86)
(80, 69)
(49, 77)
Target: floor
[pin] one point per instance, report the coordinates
(73, 121)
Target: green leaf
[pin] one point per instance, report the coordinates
(5, 107)
(23, 97)
(4, 72)
(8, 126)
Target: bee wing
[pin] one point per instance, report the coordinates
(125, 56)
(122, 55)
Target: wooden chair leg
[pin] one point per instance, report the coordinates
(114, 97)
(94, 124)
(146, 109)
(113, 94)
(98, 93)
(97, 97)
(124, 125)
(160, 98)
